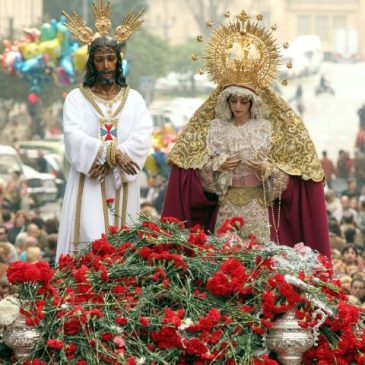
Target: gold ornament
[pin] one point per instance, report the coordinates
(286, 45)
(289, 65)
(274, 27)
(284, 82)
(201, 71)
(242, 53)
(227, 14)
(243, 16)
(102, 18)
(210, 23)
(200, 38)
(245, 53)
(194, 57)
(103, 24)
(259, 17)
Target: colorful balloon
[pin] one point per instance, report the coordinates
(48, 32)
(33, 98)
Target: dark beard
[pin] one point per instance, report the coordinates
(107, 81)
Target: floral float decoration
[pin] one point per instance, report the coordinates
(159, 293)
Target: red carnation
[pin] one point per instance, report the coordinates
(55, 344)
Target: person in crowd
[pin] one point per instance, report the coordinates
(13, 256)
(4, 261)
(344, 165)
(20, 224)
(336, 240)
(33, 254)
(333, 205)
(7, 218)
(26, 200)
(12, 191)
(359, 169)
(357, 288)
(347, 210)
(355, 235)
(107, 133)
(351, 190)
(244, 154)
(328, 168)
(349, 263)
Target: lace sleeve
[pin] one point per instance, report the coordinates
(215, 181)
(277, 182)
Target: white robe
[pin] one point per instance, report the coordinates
(82, 141)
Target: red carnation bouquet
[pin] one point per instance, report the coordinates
(158, 293)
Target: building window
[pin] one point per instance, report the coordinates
(321, 27)
(339, 22)
(304, 24)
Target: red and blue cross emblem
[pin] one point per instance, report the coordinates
(108, 130)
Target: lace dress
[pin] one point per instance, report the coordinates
(241, 192)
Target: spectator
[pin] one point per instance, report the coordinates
(50, 254)
(34, 254)
(348, 222)
(336, 240)
(12, 191)
(359, 168)
(34, 230)
(351, 190)
(357, 288)
(13, 256)
(20, 222)
(51, 226)
(333, 205)
(4, 262)
(349, 263)
(7, 218)
(346, 208)
(328, 168)
(344, 165)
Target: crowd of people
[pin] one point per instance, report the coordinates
(345, 203)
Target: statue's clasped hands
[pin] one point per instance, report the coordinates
(99, 172)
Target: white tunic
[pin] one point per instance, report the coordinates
(82, 141)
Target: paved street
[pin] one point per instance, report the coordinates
(332, 121)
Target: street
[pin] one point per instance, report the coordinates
(332, 121)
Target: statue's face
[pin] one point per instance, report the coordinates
(105, 61)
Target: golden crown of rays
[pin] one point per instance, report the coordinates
(103, 24)
(241, 51)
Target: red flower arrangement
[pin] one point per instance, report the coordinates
(158, 293)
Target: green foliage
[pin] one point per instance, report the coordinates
(181, 57)
(148, 56)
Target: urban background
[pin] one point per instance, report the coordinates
(326, 86)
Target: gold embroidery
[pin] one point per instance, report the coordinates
(80, 191)
(292, 149)
(243, 195)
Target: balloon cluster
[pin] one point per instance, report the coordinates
(43, 55)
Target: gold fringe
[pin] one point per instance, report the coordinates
(105, 206)
(125, 202)
(80, 191)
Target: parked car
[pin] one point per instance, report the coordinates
(54, 160)
(42, 186)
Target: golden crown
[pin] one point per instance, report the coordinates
(102, 14)
(242, 51)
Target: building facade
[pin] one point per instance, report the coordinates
(15, 15)
(175, 20)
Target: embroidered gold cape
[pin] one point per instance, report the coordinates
(292, 148)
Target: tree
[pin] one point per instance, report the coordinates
(203, 10)
(148, 56)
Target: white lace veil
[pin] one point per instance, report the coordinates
(259, 110)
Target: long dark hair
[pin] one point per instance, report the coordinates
(91, 73)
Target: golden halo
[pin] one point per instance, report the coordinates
(242, 52)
